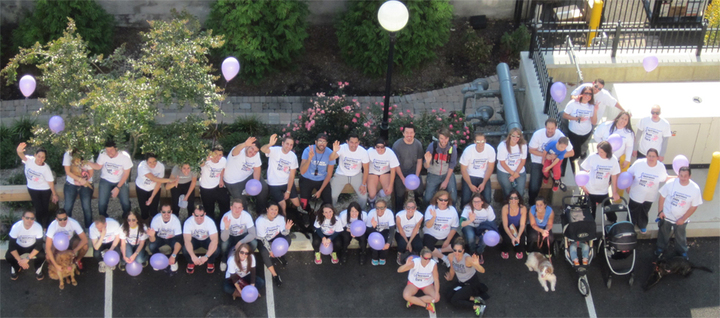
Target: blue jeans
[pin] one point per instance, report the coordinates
(471, 233)
(433, 184)
(536, 177)
(104, 193)
(573, 245)
(665, 230)
(142, 256)
(467, 194)
(226, 246)
(71, 192)
(160, 242)
(504, 180)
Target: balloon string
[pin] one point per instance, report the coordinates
(219, 111)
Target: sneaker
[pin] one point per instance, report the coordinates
(302, 211)
(190, 268)
(79, 264)
(480, 310)
(658, 252)
(223, 266)
(13, 276)
(283, 260)
(382, 262)
(504, 255)
(685, 256)
(371, 205)
(563, 187)
(122, 267)
(576, 262)
(643, 230)
(479, 300)
(556, 185)
(210, 268)
(430, 307)
(585, 261)
(333, 258)
(446, 260)
(318, 258)
(400, 260)
(374, 262)
(39, 276)
(407, 304)
(545, 180)
(145, 264)
(519, 255)
(102, 267)
(277, 280)
(174, 267)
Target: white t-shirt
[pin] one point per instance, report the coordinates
(134, 237)
(381, 164)
(166, 230)
(652, 134)
(238, 226)
(477, 162)
(603, 97)
(37, 176)
(512, 159)
(71, 228)
(202, 231)
(112, 230)
(646, 180)
(445, 221)
(264, 228)
(279, 166)
(679, 199)
(421, 276)
(26, 237)
(600, 172)
(329, 229)
(350, 162)
(232, 267)
(602, 133)
(113, 168)
(240, 167)
(540, 139)
(384, 222)
(343, 218)
(67, 161)
(487, 214)
(585, 112)
(144, 182)
(408, 225)
(210, 173)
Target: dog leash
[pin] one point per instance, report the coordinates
(540, 245)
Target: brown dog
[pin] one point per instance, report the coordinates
(539, 263)
(68, 269)
(76, 169)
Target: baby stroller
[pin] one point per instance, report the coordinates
(618, 242)
(578, 226)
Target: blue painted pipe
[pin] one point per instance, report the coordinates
(507, 95)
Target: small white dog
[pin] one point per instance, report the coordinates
(539, 263)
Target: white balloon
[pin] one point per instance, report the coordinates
(393, 15)
(230, 68)
(27, 85)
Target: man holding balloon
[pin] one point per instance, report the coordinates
(410, 154)
(63, 233)
(104, 233)
(243, 166)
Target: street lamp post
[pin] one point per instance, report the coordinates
(393, 16)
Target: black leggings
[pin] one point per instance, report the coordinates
(210, 197)
(316, 241)
(39, 258)
(381, 254)
(577, 141)
(176, 192)
(347, 238)
(596, 199)
(471, 288)
(639, 212)
(265, 254)
(41, 203)
(147, 211)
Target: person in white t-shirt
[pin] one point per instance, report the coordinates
(441, 224)
(150, 173)
(212, 186)
(347, 217)
(601, 95)
(582, 116)
(115, 170)
(282, 167)
(423, 275)
(381, 220)
(269, 227)
(327, 231)
(243, 165)
(165, 229)
(383, 164)
(511, 157)
(476, 167)
(78, 185)
(604, 169)
(653, 132)
(621, 126)
(241, 272)
(104, 236)
(353, 168)
(408, 223)
(200, 231)
(679, 199)
(477, 218)
(236, 228)
(538, 141)
(40, 182)
(132, 240)
(647, 174)
(182, 188)
(78, 240)
(25, 238)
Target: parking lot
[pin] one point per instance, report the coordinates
(329, 290)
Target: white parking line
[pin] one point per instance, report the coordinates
(590, 304)
(108, 293)
(269, 294)
(432, 314)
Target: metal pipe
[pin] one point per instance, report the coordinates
(507, 95)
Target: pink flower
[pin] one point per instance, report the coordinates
(287, 134)
(283, 130)
(389, 120)
(433, 111)
(357, 115)
(346, 127)
(401, 128)
(322, 111)
(382, 103)
(394, 106)
(401, 113)
(366, 124)
(389, 113)
(339, 83)
(354, 120)
(346, 83)
(462, 142)
(442, 109)
(299, 117)
(439, 119)
(451, 127)
(354, 100)
(295, 129)
(457, 132)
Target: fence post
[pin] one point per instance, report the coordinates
(546, 109)
(533, 39)
(616, 41)
(703, 33)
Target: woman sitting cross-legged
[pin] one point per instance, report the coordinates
(423, 276)
(241, 271)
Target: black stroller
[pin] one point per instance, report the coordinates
(578, 226)
(618, 242)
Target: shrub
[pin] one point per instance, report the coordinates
(511, 44)
(477, 49)
(264, 35)
(364, 43)
(49, 20)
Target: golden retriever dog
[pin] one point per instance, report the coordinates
(76, 169)
(68, 269)
(539, 263)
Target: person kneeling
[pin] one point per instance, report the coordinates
(241, 272)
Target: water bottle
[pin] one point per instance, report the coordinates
(513, 184)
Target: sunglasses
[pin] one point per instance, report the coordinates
(479, 141)
(410, 208)
(597, 87)
(63, 219)
(514, 198)
(243, 253)
(380, 147)
(427, 258)
(655, 113)
(457, 251)
(198, 216)
(587, 93)
(443, 200)
(321, 142)
(28, 218)
(168, 212)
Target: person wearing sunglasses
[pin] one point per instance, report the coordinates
(72, 228)
(236, 227)
(104, 236)
(511, 157)
(132, 241)
(200, 231)
(468, 292)
(408, 222)
(271, 226)
(476, 166)
(422, 276)
(514, 218)
(40, 182)
(243, 165)
(241, 271)
(25, 238)
(441, 224)
(440, 162)
(600, 94)
(477, 218)
(383, 164)
(653, 133)
(582, 116)
(347, 217)
(381, 220)
(316, 170)
(165, 229)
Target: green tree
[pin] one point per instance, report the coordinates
(119, 97)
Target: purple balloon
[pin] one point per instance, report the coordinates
(230, 68)
(61, 241)
(650, 63)
(491, 238)
(159, 261)
(111, 258)
(253, 187)
(133, 268)
(412, 182)
(558, 91)
(57, 124)
(279, 246)
(582, 178)
(615, 141)
(376, 241)
(249, 293)
(326, 250)
(624, 180)
(678, 162)
(27, 85)
(357, 228)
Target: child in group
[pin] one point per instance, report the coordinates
(573, 246)
(553, 155)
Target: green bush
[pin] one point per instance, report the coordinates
(263, 35)
(22, 131)
(511, 44)
(477, 49)
(50, 18)
(364, 43)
